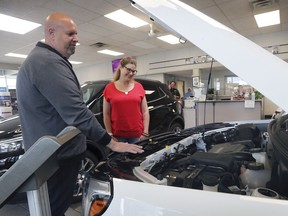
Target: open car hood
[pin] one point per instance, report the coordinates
(251, 63)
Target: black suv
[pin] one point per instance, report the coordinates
(164, 112)
(165, 116)
(163, 108)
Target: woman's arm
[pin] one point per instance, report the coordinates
(107, 116)
(145, 114)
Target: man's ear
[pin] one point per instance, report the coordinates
(51, 32)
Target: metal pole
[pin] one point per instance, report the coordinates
(38, 201)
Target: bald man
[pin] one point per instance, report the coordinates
(61, 34)
(50, 99)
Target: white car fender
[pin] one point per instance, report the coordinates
(132, 198)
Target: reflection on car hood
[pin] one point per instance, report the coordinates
(10, 126)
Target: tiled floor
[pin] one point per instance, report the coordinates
(21, 209)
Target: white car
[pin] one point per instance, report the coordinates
(236, 168)
(217, 169)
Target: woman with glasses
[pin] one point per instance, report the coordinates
(125, 110)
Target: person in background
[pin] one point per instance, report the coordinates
(188, 94)
(174, 90)
(50, 99)
(125, 110)
(240, 93)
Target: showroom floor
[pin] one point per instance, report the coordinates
(22, 210)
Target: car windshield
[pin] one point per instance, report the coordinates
(90, 90)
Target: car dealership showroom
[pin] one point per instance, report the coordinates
(206, 130)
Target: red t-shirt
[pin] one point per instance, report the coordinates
(126, 115)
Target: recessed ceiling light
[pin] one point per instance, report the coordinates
(125, 18)
(169, 39)
(268, 18)
(16, 25)
(110, 52)
(16, 55)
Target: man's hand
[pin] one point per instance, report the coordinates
(124, 147)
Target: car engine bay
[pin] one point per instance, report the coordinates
(235, 158)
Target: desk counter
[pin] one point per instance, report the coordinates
(212, 111)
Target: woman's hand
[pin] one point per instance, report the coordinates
(142, 137)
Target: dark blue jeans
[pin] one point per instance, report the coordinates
(129, 140)
(61, 185)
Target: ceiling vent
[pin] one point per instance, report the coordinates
(98, 44)
(260, 5)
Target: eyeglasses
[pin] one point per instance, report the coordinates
(131, 70)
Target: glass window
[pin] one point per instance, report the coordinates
(232, 83)
(11, 82)
(93, 96)
(90, 90)
(152, 92)
(3, 82)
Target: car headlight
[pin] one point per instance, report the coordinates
(11, 147)
(97, 196)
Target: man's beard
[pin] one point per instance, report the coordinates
(71, 50)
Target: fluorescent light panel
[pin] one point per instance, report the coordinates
(75, 62)
(16, 55)
(110, 52)
(171, 39)
(268, 18)
(43, 40)
(16, 25)
(125, 18)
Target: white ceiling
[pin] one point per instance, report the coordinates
(93, 27)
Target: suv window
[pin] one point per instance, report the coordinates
(90, 90)
(152, 92)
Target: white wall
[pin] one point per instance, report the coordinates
(95, 72)
(159, 77)
(85, 74)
